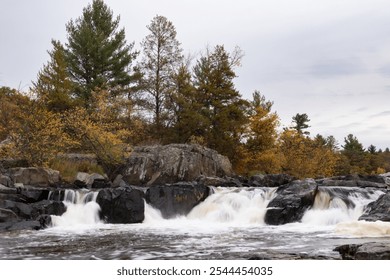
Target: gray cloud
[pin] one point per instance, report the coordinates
(337, 67)
(381, 114)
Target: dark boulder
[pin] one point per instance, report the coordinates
(158, 165)
(31, 195)
(45, 220)
(7, 215)
(271, 180)
(177, 199)
(35, 176)
(291, 202)
(378, 210)
(362, 181)
(22, 225)
(121, 205)
(366, 251)
(33, 210)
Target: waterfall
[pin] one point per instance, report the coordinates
(233, 206)
(333, 205)
(81, 209)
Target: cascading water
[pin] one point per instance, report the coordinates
(229, 224)
(225, 206)
(333, 205)
(81, 209)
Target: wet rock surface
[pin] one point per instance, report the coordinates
(291, 202)
(121, 205)
(366, 251)
(378, 210)
(176, 200)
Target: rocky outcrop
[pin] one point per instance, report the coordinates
(378, 210)
(366, 251)
(156, 165)
(35, 176)
(178, 199)
(362, 181)
(271, 180)
(94, 180)
(291, 202)
(121, 205)
(32, 211)
(7, 215)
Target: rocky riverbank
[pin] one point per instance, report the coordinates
(174, 179)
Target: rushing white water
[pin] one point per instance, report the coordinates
(81, 209)
(335, 210)
(334, 205)
(229, 224)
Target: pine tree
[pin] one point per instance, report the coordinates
(97, 53)
(53, 86)
(162, 57)
(221, 104)
(355, 154)
(188, 124)
(301, 123)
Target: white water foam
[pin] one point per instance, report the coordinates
(330, 209)
(364, 229)
(81, 210)
(226, 206)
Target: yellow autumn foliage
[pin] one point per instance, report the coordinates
(306, 158)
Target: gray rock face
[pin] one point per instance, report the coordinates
(33, 210)
(271, 180)
(367, 251)
(94, 180)
(176, 200)
(121, 205)
(291, 202)
(154, 165)
(35, 176)
(5, 180)
(362, 181)
(7, 215)
(378, 210)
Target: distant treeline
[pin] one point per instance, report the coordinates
(97, 94)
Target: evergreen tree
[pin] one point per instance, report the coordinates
(53, 86)
(162, 57)
(188, 124)
(221, 104)
(353, 150)
(301, 123)
(97, 53)
(372, 149)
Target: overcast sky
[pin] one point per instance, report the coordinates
(327, 58)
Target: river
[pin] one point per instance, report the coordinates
(229, 224)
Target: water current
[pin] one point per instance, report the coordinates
(229, 224)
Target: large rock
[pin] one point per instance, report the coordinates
(362, 181)
(121, 205)
(291, 202)
(33, 210)
(5, 180)
(156, 165)
(94, 180)
(176, 200)
(366, 251)
(35, 176)
(271, 180)
(21, 225)
(378, 210)
(7, 215)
